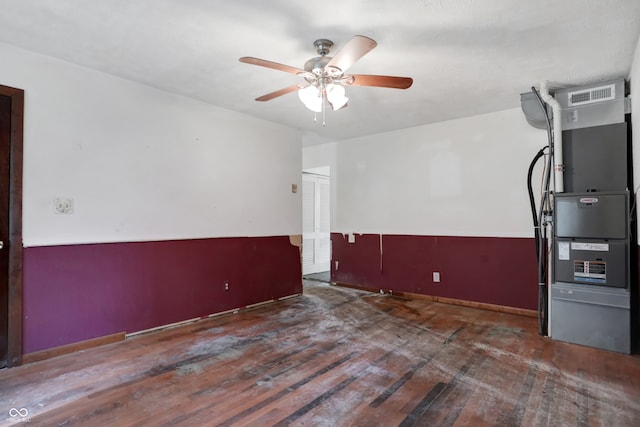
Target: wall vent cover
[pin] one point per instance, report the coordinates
(590, 96)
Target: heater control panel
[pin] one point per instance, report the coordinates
(591, 262)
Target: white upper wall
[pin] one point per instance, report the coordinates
(464, 177)
(142, 164)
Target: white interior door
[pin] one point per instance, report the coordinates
(316, 226)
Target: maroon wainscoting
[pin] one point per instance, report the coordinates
(78, 292)
(490, 270)
(635, 299)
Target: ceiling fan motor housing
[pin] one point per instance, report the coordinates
(316, 65)
(322, 46)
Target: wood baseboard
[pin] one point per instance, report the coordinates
(453, 301)
(121, 336)
(37, 356)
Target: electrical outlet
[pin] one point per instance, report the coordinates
(63, 205)
(226, 286)
(436, 277)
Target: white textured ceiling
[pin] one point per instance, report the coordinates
(466, 57)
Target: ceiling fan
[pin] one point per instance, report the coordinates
(324, 76)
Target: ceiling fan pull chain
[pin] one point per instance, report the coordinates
(324, 98)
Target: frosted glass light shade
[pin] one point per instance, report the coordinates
(311, 98)
(336, 96)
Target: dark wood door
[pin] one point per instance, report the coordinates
(11, 131)
(5, 159)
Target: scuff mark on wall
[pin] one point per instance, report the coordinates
(296, 240)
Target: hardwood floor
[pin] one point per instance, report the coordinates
(332, 357)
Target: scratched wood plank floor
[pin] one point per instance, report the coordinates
(332, 357)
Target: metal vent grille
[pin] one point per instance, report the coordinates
(590, 96)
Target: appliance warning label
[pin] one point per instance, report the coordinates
(590, 271)
(599, 247)
(564, 251)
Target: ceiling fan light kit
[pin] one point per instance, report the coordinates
(324, 78)
(313, 97)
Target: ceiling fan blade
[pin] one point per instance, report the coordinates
(277, 93)
(271, 64)
(381, 81)
(355, 49)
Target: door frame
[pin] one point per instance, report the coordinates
(14, 353)
(310, 175)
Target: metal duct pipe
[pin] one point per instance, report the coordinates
(558, 166)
